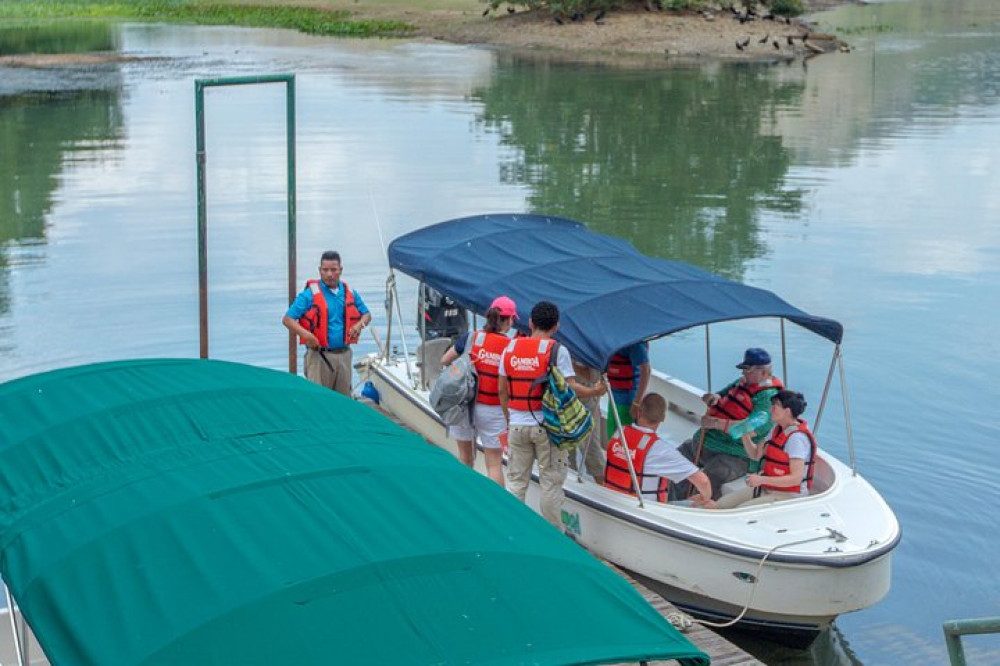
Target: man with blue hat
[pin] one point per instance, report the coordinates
(743, 406)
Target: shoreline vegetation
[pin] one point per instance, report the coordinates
(647, 31)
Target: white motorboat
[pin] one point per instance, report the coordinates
(788, 569)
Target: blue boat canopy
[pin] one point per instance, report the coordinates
(609, 294)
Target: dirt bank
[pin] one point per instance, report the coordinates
(630, 34)
(634, 31)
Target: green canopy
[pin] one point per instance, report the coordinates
(191, 511)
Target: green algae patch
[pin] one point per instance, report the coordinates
(309, 20)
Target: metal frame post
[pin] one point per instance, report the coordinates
(200, 157)
(955, 629)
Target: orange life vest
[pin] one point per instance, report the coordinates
(486, 350)
(526, 360)
(777, 462)
(616, 474)
(737, 404)
(621, 373)
(316, 319)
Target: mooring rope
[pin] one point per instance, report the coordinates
(832, 534)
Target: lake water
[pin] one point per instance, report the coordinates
(864, 187)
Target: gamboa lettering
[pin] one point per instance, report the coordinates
(490, 358)
(616, 448)
(529, 363)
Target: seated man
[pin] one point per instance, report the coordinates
(739, 408)
(652, 458)
(789, 457)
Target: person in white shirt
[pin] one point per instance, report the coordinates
(655, 461)
(524, 362)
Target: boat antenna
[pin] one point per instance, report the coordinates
(391, 285)
(378, 225)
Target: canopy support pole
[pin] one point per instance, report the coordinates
(708, 359)
(13, 626)
(402, 331)
(784, 357)
(826, 388)
(621, 438)
(389, 281)
(847, 414)
(422, 314)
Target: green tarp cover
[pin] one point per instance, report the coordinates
(200, 512)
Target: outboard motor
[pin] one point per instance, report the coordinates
(443, 317)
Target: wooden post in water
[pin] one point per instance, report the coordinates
(200, 156)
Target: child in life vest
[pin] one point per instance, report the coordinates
(789, 454)
(655, 461)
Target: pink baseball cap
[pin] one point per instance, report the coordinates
(505, 305)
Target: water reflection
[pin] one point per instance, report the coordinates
(69, 37)
(40, 133)
(915, 68)
(49, 118)
(680, 161)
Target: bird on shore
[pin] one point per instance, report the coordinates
(510, 10)
(746, 42)
(763, 40)
(578, 17)
(739, 47)
(791, 40)
(558, 20)
(777, 45)
(600, 16)
(487, 11)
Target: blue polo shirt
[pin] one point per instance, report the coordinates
(637, 354)
(334, 308)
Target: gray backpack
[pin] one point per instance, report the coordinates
(454, 391)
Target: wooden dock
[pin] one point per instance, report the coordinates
(721, 651)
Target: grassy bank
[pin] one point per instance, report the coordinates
(312, 20)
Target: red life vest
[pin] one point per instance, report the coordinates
(486, 350)
(737, 404)
(316, 319)
(525, 360)
(777, 462)
(616, 474)
(621, 373)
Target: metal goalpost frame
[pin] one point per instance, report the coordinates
(199, 95)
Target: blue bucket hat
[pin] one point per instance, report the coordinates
(754, 356)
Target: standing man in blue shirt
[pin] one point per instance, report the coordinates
(628, 374)
(328, 316)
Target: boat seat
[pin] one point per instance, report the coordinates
(429, 358)
(822, 479)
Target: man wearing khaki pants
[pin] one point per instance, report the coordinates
(328, 316)
(523, 361)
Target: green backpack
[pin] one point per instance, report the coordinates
(565, 418)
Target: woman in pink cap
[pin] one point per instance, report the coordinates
(488, 422)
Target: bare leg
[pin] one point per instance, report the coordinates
(494, 465)
(466, 452)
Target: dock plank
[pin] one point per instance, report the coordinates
(720, 650)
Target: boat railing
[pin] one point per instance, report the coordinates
(955, 629)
